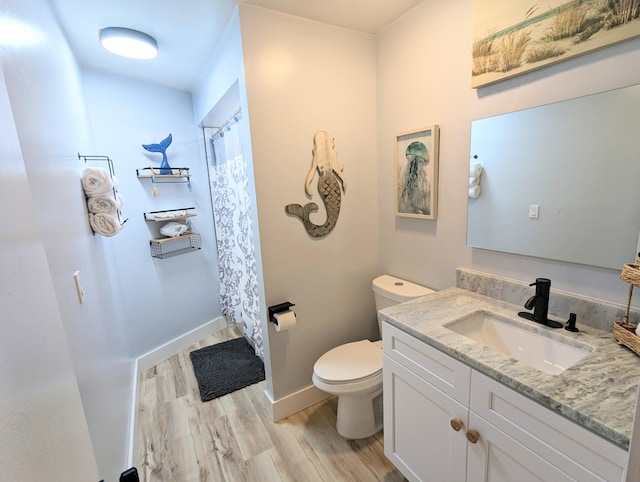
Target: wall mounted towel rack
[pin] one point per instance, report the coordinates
(112, 175)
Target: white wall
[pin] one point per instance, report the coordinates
(159, 299)
(46, 238)
(37, 377)
(424, 64)
(303, 77)
(224, 68)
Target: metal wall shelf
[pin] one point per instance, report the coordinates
(169, 215)
(178, 175)
(159, 247)
(176, 172)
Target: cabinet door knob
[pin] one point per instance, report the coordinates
(473, 436)
(456, 424)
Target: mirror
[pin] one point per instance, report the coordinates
(579, 162)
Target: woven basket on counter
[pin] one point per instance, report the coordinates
(623, 331)
(631, 274)
(625, 334)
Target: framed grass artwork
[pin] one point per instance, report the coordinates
(518, 36)
(417, 173)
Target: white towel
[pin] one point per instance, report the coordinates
(167, 214)
(96, 181)
(105, 223)
(173, 229)
(103, 204)
(475, 169)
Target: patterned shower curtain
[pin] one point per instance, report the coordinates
(232, 220)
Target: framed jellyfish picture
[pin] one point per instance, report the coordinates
(416, 169)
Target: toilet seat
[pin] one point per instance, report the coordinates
(357, 361)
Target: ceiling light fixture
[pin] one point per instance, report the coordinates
(128, 43)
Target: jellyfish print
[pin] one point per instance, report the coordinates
(414, 186)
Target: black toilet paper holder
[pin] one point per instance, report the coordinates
(278, 309)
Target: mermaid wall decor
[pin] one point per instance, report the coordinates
(331, 185)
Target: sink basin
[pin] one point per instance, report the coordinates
(546, 351)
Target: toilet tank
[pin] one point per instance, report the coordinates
(390, 291)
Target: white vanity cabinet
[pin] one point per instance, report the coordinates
(501, 435)
(418, 437)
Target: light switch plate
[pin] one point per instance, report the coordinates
(534, 210)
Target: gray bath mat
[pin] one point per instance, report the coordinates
(226, 367)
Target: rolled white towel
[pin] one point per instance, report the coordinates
(119, 200)
(105, 223)
(474, 192)
(171, 214)
(96, 180)
(173, 229)
(474, 181)
(475, 169)
(103, 204)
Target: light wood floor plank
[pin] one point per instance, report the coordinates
(231, 438)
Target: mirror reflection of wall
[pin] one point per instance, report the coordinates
(579, 161)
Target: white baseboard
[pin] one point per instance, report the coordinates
(166, 351)
(133, 415)
(295, 402)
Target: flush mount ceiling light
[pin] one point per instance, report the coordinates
(128, 43)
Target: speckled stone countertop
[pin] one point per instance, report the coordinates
(599, 392)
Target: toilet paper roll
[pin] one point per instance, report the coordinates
(285, 320)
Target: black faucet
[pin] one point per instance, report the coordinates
(540, 304)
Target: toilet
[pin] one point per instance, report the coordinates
(353, 371)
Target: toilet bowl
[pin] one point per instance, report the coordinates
(353, 371)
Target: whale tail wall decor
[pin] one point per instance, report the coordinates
(325, 161)
(162, 148)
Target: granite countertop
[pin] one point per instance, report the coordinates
(599, 392)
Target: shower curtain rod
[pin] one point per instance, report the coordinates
(229, 121)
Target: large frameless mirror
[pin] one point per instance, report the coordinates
(577, 163)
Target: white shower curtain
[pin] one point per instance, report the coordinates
(232, 220)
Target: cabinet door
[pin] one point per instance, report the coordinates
(418, 437)
(496, 457)
(573, 449)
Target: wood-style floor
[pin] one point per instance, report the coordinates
(181, 439)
